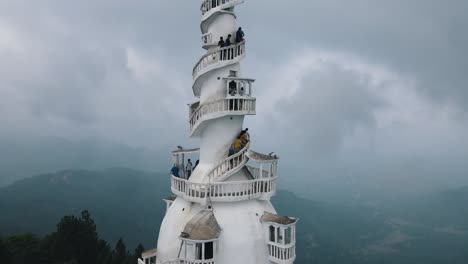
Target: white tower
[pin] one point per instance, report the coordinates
(222, 213)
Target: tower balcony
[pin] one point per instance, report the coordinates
(188, 261)
(209, 7)
(207, 41)
(281, 237)
(282, 254)
(262, 189)
(215, 59)
(219, 108)
(148, 257)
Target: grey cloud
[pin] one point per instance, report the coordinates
(68, 75)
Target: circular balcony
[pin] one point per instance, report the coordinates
(211, 7)
(282, 254)
(216, 59)
(262, 189)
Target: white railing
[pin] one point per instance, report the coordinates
(256, 172)
(245, 106)
(207, 5)
(186, 261)
(207, 39)
(223, 191)
(223, 54)
(230, 164)
(238, 86)
(282, 254)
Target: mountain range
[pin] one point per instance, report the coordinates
(128, 203)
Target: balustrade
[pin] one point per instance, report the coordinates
(244, 106)
(238, 87)
(223, 54)
(207, 39)
(186, 261)
(223, 191)
(256, 173)
(207, 5)
(232, 163)
(282, 254)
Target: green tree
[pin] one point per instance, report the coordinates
(137, 254)
(4, 253)
(76, 239)
(121, 255)
(25, 248)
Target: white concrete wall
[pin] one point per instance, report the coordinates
(242, 239)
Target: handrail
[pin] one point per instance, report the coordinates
(186, 261)
(207, 5)
(223, 191)
(256, 172)
(207, 39)
(221, 54)
(283, 252)
(244, 105)
(231, 163)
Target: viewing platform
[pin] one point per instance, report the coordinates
(210, 7)
(262, 186)
(262, 189)
(281, 237)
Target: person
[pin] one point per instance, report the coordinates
(232, 88)
(232, 150)
(238, 143)
(247, 134)
(244, 138)
(175, 170)
(221, 45)
(228, 41)
(188, 168)
(221, 42)
(239, 35)
(196, 164)
(241, 91)
(229, 52)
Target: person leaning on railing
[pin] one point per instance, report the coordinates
(175, 170)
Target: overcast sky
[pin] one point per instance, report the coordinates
(370, 92)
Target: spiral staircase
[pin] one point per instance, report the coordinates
(245, 176)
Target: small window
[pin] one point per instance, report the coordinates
(232, 73)
(272, 234)
(209, 251)
(198, 251)
(280, 237)
(288, 235)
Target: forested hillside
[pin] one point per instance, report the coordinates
(128, 204)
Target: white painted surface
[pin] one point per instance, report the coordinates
(243, 238)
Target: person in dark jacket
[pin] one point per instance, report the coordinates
(239, 35)
(228, 53)
(175, 170)
(221, 42)
(221, 45)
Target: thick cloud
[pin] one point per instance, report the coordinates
(363, 93)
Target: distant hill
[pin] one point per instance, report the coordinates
(22, 157)
(127, 203)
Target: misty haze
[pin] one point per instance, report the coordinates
(361, 105)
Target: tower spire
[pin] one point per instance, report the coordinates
(221, 211)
